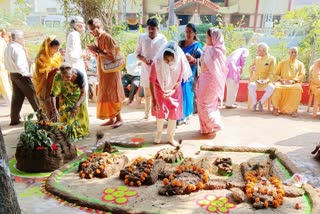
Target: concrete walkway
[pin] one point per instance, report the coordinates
(296, 137)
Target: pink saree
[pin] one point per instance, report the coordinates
(211, 84)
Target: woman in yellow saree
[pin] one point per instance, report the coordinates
(47, 63)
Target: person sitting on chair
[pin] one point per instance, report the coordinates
(132, 77)
(261, 76)
(314, 86)
(289, 75)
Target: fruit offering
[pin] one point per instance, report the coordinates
(262, 191)
(184, 180)
(101, 165)
(142, 172)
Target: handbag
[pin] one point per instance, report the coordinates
(115, 65)
(198, 68)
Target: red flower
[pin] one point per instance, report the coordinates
(54, 146)
(40, 148)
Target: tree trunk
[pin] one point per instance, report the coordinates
(8, 199)
(171, 13)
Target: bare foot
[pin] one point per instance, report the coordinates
(128, 102)
(108, 123)
(135, 105)
(117, 124)
(275, 112)
(210, 135)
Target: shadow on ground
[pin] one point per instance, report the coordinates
(302, 157)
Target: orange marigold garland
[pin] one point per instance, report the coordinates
(141, 172)
(262, 191)
(184, 180)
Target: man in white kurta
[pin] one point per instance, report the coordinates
(147, 47)
(74, 53)
(15, 60)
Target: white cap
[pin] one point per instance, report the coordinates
(17, 34)
(77, 19)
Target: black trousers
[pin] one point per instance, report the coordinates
(134, 82)
(22, 87)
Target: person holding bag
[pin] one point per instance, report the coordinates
(110, 93)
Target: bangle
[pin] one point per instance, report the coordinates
(195, 60)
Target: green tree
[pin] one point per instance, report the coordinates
(105, 10)
(303, 22)
(88, 9)
(232, 34)
(18, 18)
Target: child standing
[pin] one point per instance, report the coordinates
(167, 72)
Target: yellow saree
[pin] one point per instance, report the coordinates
(45, 70)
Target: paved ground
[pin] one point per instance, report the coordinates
(296, 137)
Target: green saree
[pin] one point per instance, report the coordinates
(68, 94)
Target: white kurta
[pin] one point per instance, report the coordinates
(74, 52)
(148, 48)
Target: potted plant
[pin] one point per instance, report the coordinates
(43, 146)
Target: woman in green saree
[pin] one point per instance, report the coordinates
(69, 87)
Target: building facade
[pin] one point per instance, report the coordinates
(254, 13)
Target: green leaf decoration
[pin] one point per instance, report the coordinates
(229, 205)
(30, 116)
(220, 204)
(212, 209)
(224, 200)
(109, 198)
(123, 188)
(118, 194)
(223, 209)
(121, 200)
(215, 203)
(109, 190)
(130, 193)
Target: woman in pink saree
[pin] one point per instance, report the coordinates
(168, 70)
(212, 82)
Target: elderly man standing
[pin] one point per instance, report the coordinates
(74, 54)
(261, 76)
(289, 75)
(17, 64)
